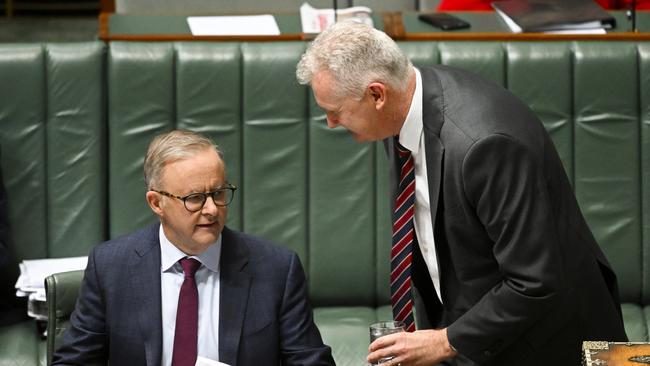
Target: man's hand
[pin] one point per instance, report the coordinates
(422, 347)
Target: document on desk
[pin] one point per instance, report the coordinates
(202, 361)
(33, 272)
(245, 25)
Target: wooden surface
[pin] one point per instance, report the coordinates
(105, 34)
(621, 354)
(107, 6)
(400, 26)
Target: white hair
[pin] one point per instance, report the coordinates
(355, 55)
(169, 147)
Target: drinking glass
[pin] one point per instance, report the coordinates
(381, 329)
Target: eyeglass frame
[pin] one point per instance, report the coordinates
(229, 187)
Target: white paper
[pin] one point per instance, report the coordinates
(509, 22)
(317, 20)
(202, 361)
(246, 25)
(31, 281)
(579, 31)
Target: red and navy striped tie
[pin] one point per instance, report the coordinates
(403, 241)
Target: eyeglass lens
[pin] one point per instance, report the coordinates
(222, 197)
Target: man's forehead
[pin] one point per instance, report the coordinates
(323, 87)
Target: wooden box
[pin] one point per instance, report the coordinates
(615, 354)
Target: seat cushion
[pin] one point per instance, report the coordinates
(636, 321)
(345, 329)
(21, 344)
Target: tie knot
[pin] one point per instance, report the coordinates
(190, 265)
(401, 150)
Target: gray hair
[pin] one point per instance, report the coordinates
(356, 55)
(170, 147)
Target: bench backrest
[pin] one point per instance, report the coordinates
(75, 120)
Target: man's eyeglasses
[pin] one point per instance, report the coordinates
(195, 201)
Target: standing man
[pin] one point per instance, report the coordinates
(503, 267)
(189, 286)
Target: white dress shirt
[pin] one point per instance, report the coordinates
(411, 136)
(207, 283)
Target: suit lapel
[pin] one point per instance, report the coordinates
(432, 118)
(234, 289)
(145, 271)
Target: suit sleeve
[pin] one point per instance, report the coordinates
(301, 342)
(504, 181)
(85, 342)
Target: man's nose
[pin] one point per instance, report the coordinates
(209, 207)
(332, 122)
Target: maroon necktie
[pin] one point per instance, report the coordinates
(403, 241)
(187, 317)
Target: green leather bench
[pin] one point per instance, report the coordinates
(75, 120)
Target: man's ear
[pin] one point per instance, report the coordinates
(154, 200)
(378, 94)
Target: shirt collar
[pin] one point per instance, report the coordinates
(170, 254)
(411, 131)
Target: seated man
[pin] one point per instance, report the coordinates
(189, 286)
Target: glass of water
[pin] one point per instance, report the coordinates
(381, 329)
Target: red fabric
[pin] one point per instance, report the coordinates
(446, 5)
(187, 317)
(459, 5)
(622, 4)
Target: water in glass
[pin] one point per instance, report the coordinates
(381, 329)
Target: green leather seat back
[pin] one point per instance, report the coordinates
(541, 75)
(22, 140)
(274, 144)
(608, 155)
(80, 116)
(52, 140)
(141, 97)
(75, 156)
(62, 292)
(644, 111)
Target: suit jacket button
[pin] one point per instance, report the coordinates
(488, 353)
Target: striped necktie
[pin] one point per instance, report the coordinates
(403, 240)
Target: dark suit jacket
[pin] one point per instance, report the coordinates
(264, 315)
(523, 280)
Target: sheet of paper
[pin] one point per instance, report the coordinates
(31, 282)
(202, 361)
(579, 31)
(246, 25)
(34, 271)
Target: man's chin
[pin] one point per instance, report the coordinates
(207, 234)
(357, 137)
